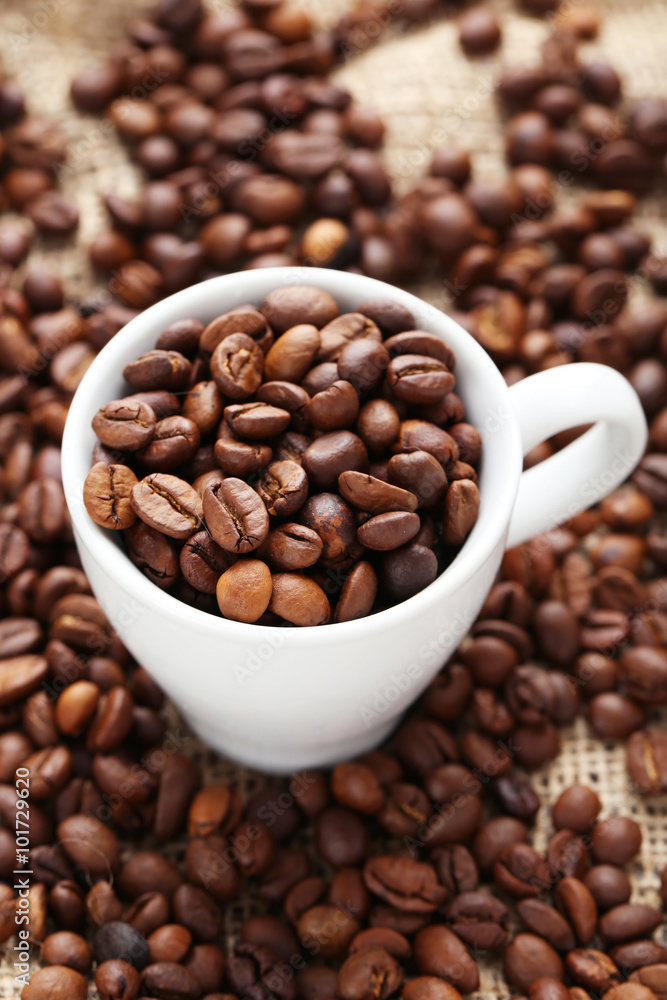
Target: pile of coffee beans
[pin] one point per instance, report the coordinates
(301, 447)
(421, 861)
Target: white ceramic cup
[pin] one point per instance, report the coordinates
(284, 698)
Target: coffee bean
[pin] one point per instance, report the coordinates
(654, 977)
(235, 516)
(124, 425)
(168, 504)
(520, 871)
(494, 837)
(643, 671)
(113, 720)
(202, 562)
(236, 366)
(479, 919)
(575, 899)
(286, 306)
(174, 442)
(527, 958)
(57, 981)
(167, 979)
(158, 369)
(608, 885)
(439, 952)
(90, 844)
(332, 454)
(328, 929)
(358, 594)
(388, 531)
(613, 716)
(299, 600)
(548, 923)
(592, 969)
(628, 921)
(615, 840)
(293, 354)
(107, 495)
(646, 754)
(153, 553)
(576, 809)
(407, 570)
(66, 948)
(117, 978)
(244, 590)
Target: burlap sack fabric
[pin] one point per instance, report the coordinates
(428, 94)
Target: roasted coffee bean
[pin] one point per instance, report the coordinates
(158, 369)
(358, 594)
(153, 553)
(117, 979)
(615, 840)
(439, 952)
(168, 504)
(479, 919)
(527, 958)
(236, 366)
(300, 303)
(460, 512)
(566, 854)
(283, 486)
(419, 379)
(613, 716)
(369, 970)
(292, 355)
(66, 948)
(592, 969)
(167, 979)
(107, 495)
(548, 923)
(235, 516)
(609, 885)
(292, 547)
(356, 786)
(520, 871)
(332, 454)
(56, 981)
(494, 836)
(216, 808)
(328, 929)
(125, 425)
(388, 531)
(298, 599)
(90, 844)
(576, 809)
(341, 837)
(406, 884)
(628, 921)
(202, 562)
(646, 754)
(373, 495)
(575, 899)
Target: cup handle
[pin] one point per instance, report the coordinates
(587, 469)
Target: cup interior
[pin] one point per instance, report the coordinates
(479, 383)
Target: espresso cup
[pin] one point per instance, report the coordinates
(279, 698)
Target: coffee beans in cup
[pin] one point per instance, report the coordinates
(288, 463)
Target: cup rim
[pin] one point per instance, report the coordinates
(492, 523)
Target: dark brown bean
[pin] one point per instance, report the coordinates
(235, 516)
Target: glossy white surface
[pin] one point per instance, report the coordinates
(284, 698)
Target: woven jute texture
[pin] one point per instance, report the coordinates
(429, 94)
